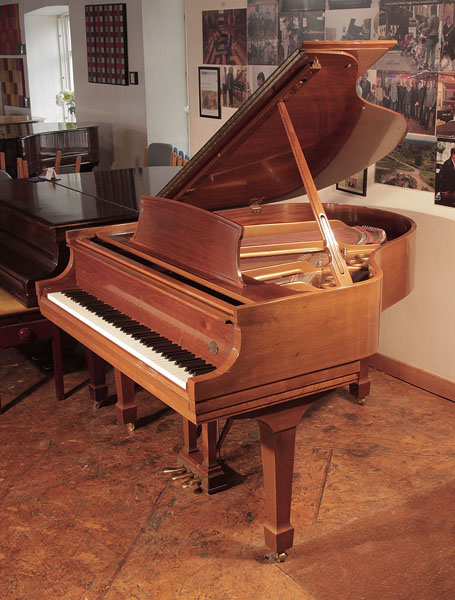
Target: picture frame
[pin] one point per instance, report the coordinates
(107, 43)
(354, 184)
(209, 92)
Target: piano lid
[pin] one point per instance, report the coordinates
(250, 159)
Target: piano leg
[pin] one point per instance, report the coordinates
(126, 409)
(205, 463)
(97, 375)
(189, 438)
(57, 360)
(361, 389)
(277, 446)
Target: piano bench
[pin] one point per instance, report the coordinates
(19, 325)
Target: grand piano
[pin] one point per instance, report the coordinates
(38, 144)
(225, 303)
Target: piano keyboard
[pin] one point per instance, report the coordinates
(156, 351)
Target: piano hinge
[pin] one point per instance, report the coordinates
(255, 204)
(316, 64)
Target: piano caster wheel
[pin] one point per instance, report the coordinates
(362, 401)
(131, 426)
(276, 557)
(280, 557)
(96, 405)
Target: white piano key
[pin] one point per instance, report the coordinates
(151, 358)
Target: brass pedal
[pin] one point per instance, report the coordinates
(192, 483)
(184, 475)
(175, 470)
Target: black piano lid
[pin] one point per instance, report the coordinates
(250, 159)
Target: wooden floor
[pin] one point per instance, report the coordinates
(88, 514)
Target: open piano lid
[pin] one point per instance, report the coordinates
(249, 160)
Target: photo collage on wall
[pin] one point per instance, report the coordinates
(416, 78)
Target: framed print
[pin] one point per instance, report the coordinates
(107, 44)
(209, 92)
(412, 165)
(354, 184)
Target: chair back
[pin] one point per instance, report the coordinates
(158, 154)
(4, 176)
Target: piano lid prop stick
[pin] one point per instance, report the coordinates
(337, 264)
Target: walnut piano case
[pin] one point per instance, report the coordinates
(250, 307)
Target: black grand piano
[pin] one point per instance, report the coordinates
(35, 216)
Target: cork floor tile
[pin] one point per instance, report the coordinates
(87, 513)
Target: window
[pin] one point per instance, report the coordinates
(65, 52)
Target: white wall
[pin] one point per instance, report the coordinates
(165, 72)
(201, 129)
(121, 109)
(419, 330)
(43, 58)
(129, 116)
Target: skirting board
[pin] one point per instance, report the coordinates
(427, 381)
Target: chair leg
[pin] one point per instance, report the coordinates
(58, 158)
(20, 170)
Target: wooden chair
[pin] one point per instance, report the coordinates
(174, 157)
(2, 161)
(58, 160)
(67, 168)
(19, 325)
(22, 168)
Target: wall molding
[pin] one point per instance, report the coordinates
(418, 377)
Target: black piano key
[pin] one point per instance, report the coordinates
(151, 339)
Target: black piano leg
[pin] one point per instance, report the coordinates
(204, 464)
(277, 446)
(361, 389)
(126, 409)
(97, 375)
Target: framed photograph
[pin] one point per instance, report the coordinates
(412, 165)
(209, 92)
(354, 184)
